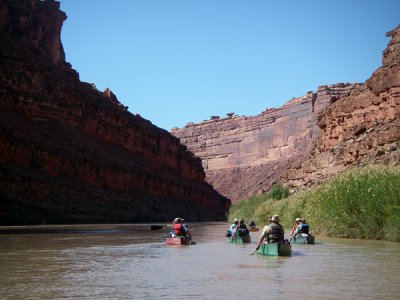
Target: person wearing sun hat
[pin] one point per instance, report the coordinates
(302, 228)
(273, 233)
(232, 228)
(240, 230)
(179, 228)
(294, 228)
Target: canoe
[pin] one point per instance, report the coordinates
(239, 240)
(303, 239)
(275, 249)
(177, 241)
(254, 229)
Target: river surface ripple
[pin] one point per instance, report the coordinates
(132, 262)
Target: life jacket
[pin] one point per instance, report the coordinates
(242, 230)
(276, 234)
(178, 229)
(242, 226)
(304, 228)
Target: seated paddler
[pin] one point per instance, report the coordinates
(302, 228)
(180, 229)
(240, 230)
(272, 233)
(232, 227)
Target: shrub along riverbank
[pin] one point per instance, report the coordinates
(359, 203)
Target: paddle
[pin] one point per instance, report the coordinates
(254, 252)
(157, 227)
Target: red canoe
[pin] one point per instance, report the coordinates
(177, 241)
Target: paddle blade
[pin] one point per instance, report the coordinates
(156, 227)
(253, 252)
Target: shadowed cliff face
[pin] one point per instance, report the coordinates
(308, 139)
(69, 152)
(35, 24)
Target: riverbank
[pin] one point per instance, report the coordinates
(362, 203)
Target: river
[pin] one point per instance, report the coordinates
(130, 261)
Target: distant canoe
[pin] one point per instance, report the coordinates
(178, 241)
(275, 249)
(254, 229)
(239, 240)
(303, 239)
(157, 227)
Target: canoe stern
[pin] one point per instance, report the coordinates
(239, 240)
(275, 249)
(177, 241)
(307, 239)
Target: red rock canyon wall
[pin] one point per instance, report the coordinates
(243, 156)
(306, 140)
(360, 129)
(70, 152)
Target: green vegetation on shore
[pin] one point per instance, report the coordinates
(359, 203)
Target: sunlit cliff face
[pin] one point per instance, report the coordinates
(308, 139)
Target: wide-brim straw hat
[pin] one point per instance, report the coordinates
(275, 219)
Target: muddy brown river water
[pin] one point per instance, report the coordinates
(132, 262)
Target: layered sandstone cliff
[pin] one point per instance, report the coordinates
(243, 156)
(70, 152)
(308, 139)
(362, 128)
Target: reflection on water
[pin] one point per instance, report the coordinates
(133, 262)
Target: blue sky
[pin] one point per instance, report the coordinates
(180, 61)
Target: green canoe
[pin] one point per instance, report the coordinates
(239, 240)
(303, 239)
(275, 249)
